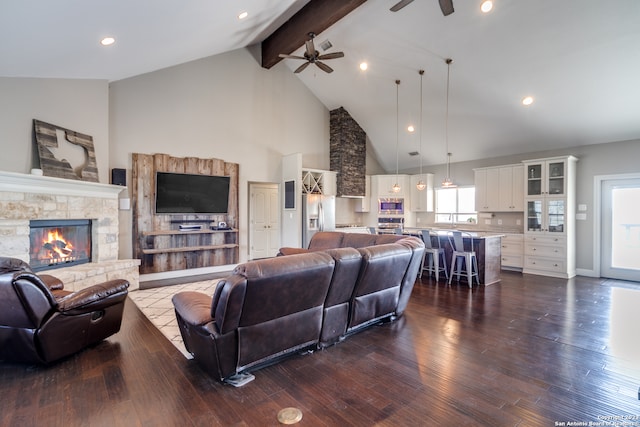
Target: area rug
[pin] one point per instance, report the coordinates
(156, 305)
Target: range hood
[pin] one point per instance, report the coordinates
(348, 153)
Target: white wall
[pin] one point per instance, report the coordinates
(224, 106)
(80, 105)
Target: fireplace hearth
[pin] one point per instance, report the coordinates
(59, 243)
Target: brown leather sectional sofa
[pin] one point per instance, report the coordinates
(308, 298)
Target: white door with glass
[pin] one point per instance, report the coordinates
(620, 242)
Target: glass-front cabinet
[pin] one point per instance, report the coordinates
(549, 217)
(546, 215)
(546, 177)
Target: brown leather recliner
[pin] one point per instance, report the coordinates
(41, 322)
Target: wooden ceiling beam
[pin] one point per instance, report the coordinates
(315, 17)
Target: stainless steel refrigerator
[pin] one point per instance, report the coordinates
(318, 214)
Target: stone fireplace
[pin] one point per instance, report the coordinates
(27, 200)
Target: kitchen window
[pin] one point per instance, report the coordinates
(456, 205)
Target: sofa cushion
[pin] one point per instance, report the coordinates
(326, 240)
(361, 240)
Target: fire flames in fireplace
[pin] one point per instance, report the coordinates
(56, 246)
(59, 243)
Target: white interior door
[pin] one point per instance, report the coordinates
(620, 254)
(264, 221)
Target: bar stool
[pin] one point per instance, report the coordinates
(461, 256)
(433, 256)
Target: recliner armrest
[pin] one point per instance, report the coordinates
(193, 307)
(95, 297)
(52, 282)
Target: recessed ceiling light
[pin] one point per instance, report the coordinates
(410, 129)
(527, 100)
(243, 15)
(364, 66)
(486, 6)
(107, 41)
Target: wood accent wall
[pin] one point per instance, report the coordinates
(157, 241)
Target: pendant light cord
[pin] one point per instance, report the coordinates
(421, 72)
(397, 125)
(446, 118)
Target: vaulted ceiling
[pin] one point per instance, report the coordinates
(578, 59)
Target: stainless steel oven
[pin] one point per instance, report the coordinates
(390, 223)
(391, 206)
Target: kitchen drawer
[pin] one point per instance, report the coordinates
(545, 240)
(512, 244)
(513, 238)
(545, 264)
(511, 261)
(512, 249)
(545, 250)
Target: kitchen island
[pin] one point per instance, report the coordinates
(486, 245)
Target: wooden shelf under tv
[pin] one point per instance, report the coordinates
(188, 249)
(195, 242)
(181, 232)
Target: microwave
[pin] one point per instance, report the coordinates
(391, 206)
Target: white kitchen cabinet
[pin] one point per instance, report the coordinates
(382, 186)
(499, 189)
(512, 251)
(549, 242)
(422, 200)
(511, 195)
(487, 182)
(364, 204)
(549, 176)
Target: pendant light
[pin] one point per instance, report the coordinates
(420, 185)
(396, 187)
(448, 182)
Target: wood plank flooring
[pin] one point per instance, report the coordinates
(529, 351)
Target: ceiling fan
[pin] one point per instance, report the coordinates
(312, 56)
(445, 5)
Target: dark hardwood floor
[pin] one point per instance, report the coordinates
(529, 351)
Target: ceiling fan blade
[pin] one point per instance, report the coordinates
(333, 55)
(311, 50)
(402, 3)
(302, 67)
(446, 6)
(324, 67)
(282, 55)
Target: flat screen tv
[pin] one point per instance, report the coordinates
(183, 193)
